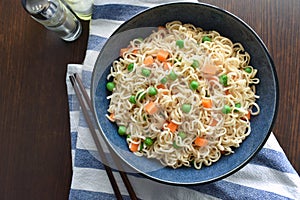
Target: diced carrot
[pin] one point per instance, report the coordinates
(127, 49)
(207, 103)
(248, 115)
(151, 108)
(214, 122)
(148, 60)
(161, 86)
(123, 50)
(200, 141)
(162, 55)
(172, 126)
(167, 66)
(223, 152)
(112, 117)
(135, 51)
(227, 92)
(133, 147)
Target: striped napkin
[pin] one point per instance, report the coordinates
(269, 175)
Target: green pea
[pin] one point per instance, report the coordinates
(195, 64)
(194, 85)
(180, 43)
(237, 105)
(248, 70)
(226, 109)
(152, 91)
(175, 145)
(182, 134)
(132, 99)
(206, 38)
(110, 86)
(163, 80)
(172, 75)
(148, 141)
(223, 79)
(186, 108)
(122, 130)
(140, 39)
(146, 72)
(141, 146)
(130, 67)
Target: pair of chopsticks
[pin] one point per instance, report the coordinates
(86, 106)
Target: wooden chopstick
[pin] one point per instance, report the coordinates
(120, 169)
(80, 91)
(98, 145)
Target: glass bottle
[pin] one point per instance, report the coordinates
(55, 16)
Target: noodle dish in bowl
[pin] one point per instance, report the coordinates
(184, 99)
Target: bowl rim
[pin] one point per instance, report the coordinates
(276, 100)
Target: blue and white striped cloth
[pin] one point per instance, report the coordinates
(268, 176)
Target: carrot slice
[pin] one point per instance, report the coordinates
(151, 108)
(148, 60)
(133, 147)
(207, 103)
(200, 141)
(162, 55)
(172, 126)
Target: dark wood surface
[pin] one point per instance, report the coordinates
(35, 161)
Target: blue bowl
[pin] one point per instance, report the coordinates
(207, 17)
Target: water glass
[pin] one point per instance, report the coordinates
(82, 8)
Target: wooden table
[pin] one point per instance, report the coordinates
(34, 126)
